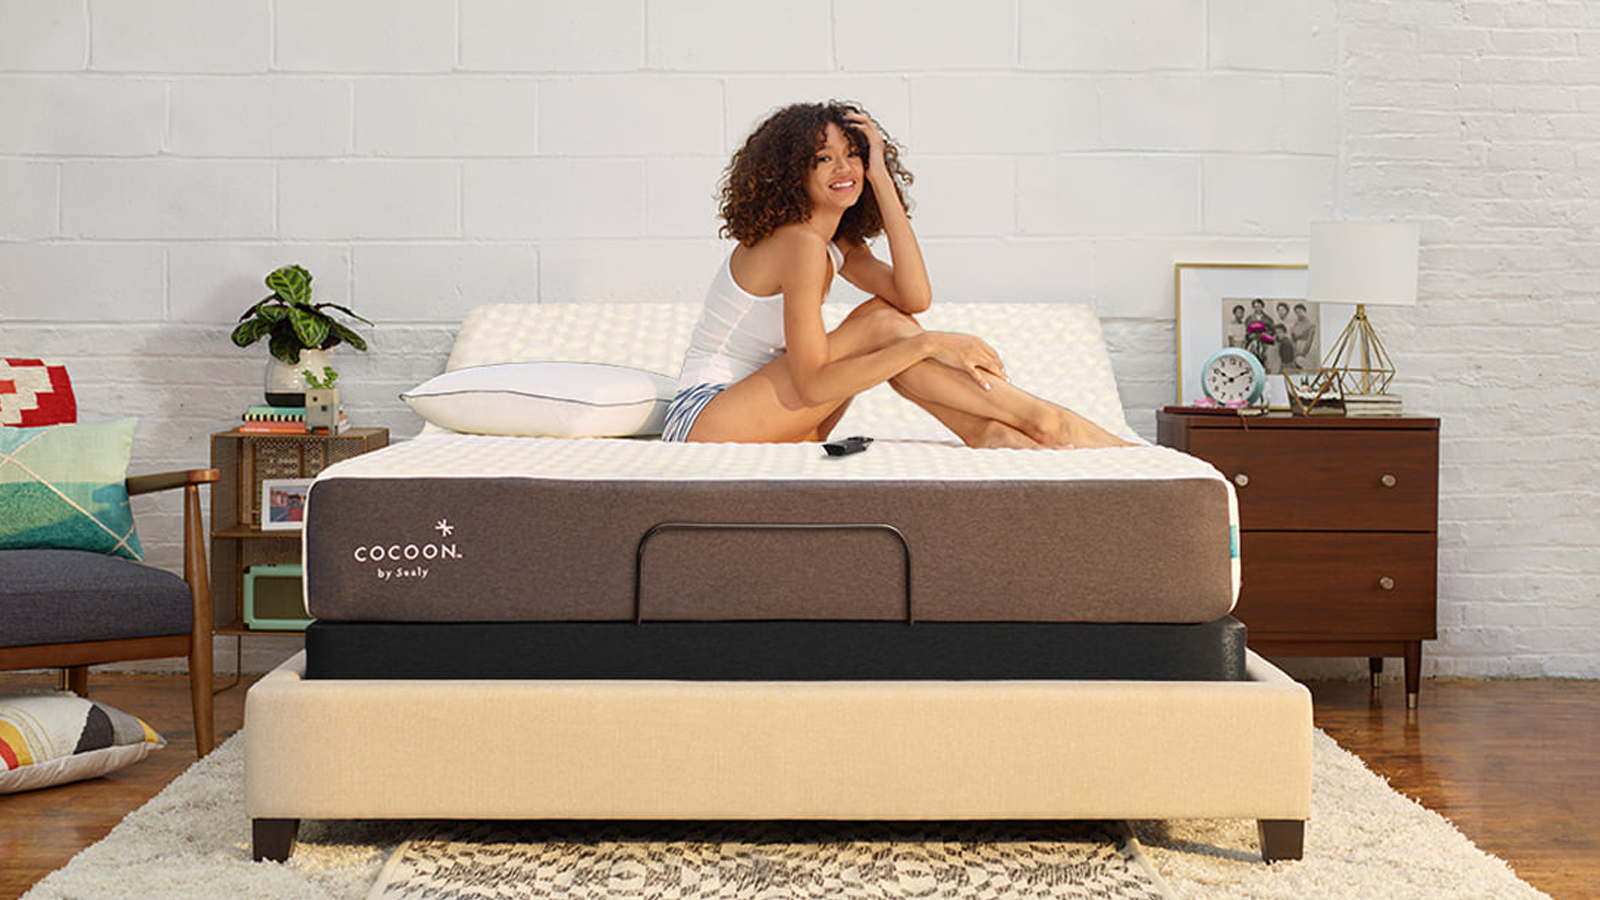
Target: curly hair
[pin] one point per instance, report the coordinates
(764, 186)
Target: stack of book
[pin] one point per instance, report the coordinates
(265, 419)
(1371, 405)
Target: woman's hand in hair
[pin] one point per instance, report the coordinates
(869, 129)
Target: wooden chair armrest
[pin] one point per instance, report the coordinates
(161, 481)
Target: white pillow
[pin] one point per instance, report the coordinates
(546, 399)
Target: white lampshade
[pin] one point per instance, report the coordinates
(1363, 262)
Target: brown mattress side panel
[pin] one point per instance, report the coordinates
(520, 549)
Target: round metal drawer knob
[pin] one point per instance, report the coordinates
(1388, 480)
(1241, 479)
(1386, 583)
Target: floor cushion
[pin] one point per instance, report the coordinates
(53, 738)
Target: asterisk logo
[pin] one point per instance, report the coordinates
(444, 527)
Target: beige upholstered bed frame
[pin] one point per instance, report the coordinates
(782, 750)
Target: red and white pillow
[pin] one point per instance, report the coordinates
(35, 392)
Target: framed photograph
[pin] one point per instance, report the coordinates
(283, 503)
(1257, 307)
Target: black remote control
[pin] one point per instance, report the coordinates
(847, 446)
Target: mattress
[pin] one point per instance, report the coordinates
(777, 651)
(459, 528)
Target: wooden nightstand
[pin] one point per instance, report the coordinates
(237, 541)
(1339, 521)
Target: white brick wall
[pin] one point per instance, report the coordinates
(420, 156)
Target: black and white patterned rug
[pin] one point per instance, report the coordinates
(761, 860)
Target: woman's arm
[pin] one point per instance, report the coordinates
(904, 280)
(831, 367)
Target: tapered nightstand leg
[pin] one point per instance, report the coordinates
(1375, 666)
(1413, 673)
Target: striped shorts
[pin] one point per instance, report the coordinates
(685, 408)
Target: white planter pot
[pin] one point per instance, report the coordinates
(285, 385)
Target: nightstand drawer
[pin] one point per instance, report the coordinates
(1356, 585)
(1346, 480)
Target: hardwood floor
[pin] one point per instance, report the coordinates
(41, 830)
(1511, 763)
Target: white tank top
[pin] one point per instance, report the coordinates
(738, 332)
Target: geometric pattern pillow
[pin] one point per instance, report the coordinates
(48, 739)
(35, 392)
(62, 486)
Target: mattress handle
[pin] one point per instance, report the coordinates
(638, 557)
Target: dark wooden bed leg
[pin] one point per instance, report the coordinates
(273, 839)
(1282, 839)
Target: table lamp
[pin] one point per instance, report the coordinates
(1362, 263)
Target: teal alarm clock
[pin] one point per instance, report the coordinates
(1233, 374)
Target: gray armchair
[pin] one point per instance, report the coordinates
(70, 609)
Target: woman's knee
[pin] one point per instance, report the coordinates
(885, 319)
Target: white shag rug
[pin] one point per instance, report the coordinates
(1364, 840)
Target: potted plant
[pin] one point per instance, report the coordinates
(299, 333)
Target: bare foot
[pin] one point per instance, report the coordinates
(998, 435)
(1074, 432)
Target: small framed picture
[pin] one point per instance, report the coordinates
(1258, 307)
(283, 503)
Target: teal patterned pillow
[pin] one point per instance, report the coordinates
(62, 486)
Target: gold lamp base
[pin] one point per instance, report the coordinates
(1358, 359)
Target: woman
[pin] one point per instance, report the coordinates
(802, 196)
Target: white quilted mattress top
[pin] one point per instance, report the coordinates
(1053, 350)
(455, 455)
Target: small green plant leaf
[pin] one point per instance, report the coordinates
(249, 331)
(284, 347)
(346, 334)
(323, 383)
(310, 326)
(347, 311)
(292, 284)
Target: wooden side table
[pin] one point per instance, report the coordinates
(1339, 521)
(237, 540)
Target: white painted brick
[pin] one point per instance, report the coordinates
(1309, 118)
(996, 270)
(441, 283)
(963, 196)
(365, 35)
(43, 36)
(214, 282)
(73, 116)
(1108, 195)
(1134, 277)
(918, 35)
(628, 271)
(1007, 114)
(1130, 35)
(739, 36)
(554, 198)
(751, 100)
(1255, 195)
(681, 196)
(345, 200)
(1165, 111)
(430, 116)
(166, 199)
(1284, 36)
(81, 282)
(286, 117)
(29, 189)
(180, 36)
(630, 116)
(517, 36)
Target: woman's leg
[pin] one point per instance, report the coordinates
(933, 385)
(766, 406)
(1003, 416)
